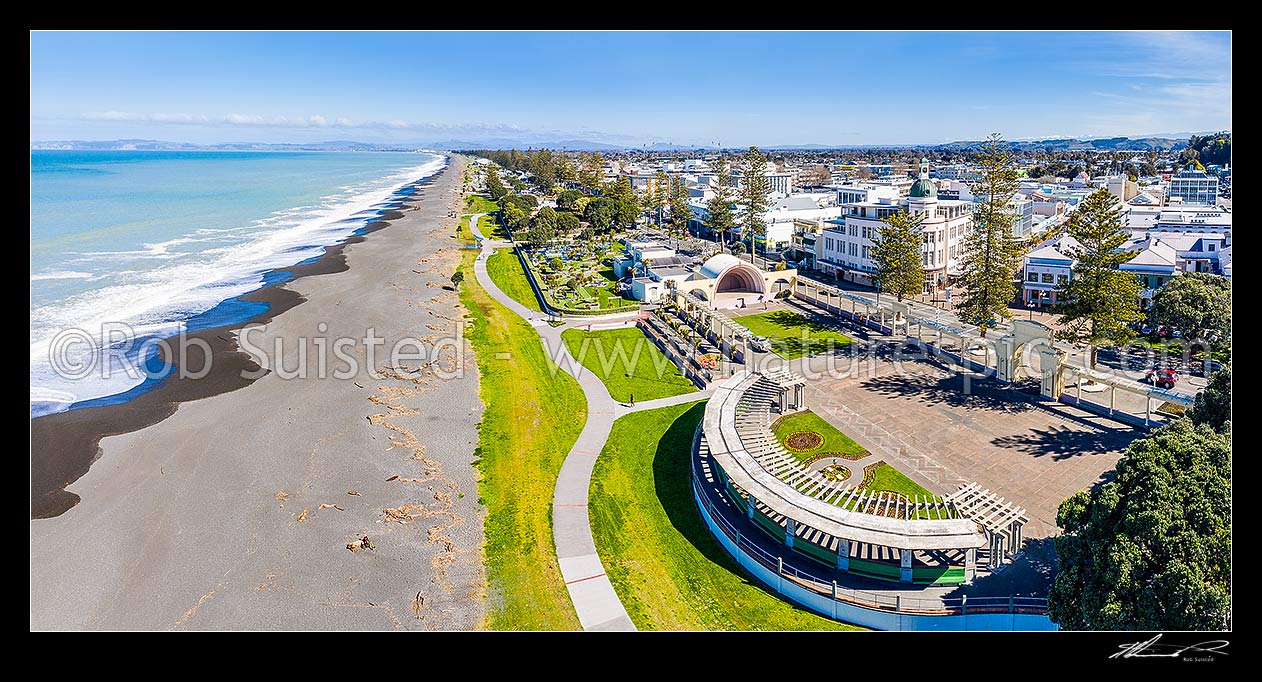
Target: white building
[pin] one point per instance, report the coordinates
(779, 182)
(1159, 257)
(1200, 219)
(1194, 187)
(845, 249)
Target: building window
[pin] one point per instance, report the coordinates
(865, 250)
(1032, 277)
(1161, 281)
(1047, 278)
(1061, 279)
(1211, 247)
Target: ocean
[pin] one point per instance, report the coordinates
(166, 241)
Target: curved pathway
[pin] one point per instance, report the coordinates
(593, 595)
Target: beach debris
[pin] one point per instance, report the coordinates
(404, 513)
(326, 505)
(352, 492)
(282, 495)
(393, 478)
(418, 272)
(359, 384)
(418, 603)
(303, 516)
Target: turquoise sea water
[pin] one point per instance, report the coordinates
(163, 240)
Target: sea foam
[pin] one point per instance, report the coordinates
(167, 285)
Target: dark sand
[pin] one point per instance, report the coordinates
(224, 503)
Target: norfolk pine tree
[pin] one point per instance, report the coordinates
(719, 207)
(680, 211)
(589, 173)
(990, 252)
(753, 196)
(661, 193)
(897, 252)
(1098, 301)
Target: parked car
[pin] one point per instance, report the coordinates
(760, 344)
(1163, 377)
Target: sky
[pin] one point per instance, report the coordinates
(732, 89)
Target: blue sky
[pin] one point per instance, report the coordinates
(732, 88)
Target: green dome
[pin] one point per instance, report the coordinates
(923, 188)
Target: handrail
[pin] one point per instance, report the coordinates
(883, 602)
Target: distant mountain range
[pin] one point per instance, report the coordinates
(1074, 144)
(1056, 144)
(158, 145)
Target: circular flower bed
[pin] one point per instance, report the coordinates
(803, 441)
(835, 472)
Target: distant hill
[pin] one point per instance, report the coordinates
(158, 145)
(1074, 144)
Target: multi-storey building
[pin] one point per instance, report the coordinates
(844, 249)
(1194, 187)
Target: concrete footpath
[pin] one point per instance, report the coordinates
(593, 595)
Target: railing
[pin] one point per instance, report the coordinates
(698, 375)
(877, 601)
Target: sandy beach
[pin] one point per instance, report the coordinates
(235, 511)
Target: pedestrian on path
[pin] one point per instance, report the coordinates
(632, 400)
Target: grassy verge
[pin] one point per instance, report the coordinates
(505, 270)
(627, 362)
(476, 203)
(834, 440)
(491, 228)
(668, 570)
(886, 477)
(532, 418)
(793, 335)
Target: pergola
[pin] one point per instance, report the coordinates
(823, 519)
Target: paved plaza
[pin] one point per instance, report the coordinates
(916, 415)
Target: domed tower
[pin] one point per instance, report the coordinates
(923, 194)
(924, 187)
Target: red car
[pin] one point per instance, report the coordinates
(1163, 378)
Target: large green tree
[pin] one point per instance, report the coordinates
(1098, 302)
(754, 196)
(494, 185)
(567, 222)
(590, 173)
(600, 215)
(1213, 405)
(721, 219)
(680, 211)
(991, 254)
(1197, 304)
(897, 251)
(1150, 550)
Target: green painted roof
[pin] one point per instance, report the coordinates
(923, 188)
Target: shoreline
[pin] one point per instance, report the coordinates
(64, 445)
(243, 510)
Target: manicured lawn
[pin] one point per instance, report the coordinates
(886, 477)
(506, 272)
(491, 228)
(668, 570)
(834, 440)
(627, 362)
(476, 203)
(534, 413)
(462, 230)
(785, 330)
